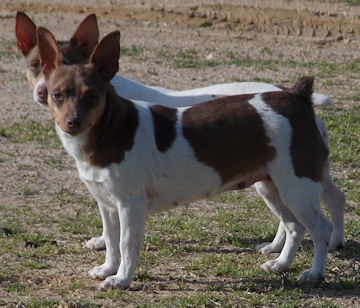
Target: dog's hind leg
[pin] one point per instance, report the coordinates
(301, 196)
(276, 245)
(332, 196)
(290, 232)
(335, 201)
(271, 197)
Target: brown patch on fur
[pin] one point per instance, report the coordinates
(308, 151)
(114, 133)
(228, 135)
(164, 126)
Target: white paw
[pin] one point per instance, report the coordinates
(308, 276)
(102, 271)
(115, 282)
(266, 248)
(275, 265)
(96, 243)
(336, 242)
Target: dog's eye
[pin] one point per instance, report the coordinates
(35, 64)
(58, 98)
(90, 96)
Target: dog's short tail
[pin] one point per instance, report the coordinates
(304, 87)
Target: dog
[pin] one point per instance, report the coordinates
(75, 50)
(78, 50)
(138, 158)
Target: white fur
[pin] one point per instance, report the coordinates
(294, 192)
(147, 181)
(131, 89)
(134, 90)
(290, 230)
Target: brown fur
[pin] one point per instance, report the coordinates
(244, 151)
(164, 126)
(114, 133)
(305, 134)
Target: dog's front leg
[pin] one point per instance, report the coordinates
(132, 215)
(98, 242)
(111, 236)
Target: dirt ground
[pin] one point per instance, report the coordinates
(306, 33)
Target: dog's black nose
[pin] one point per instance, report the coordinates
(72, 122)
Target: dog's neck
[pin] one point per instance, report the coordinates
(107, 141)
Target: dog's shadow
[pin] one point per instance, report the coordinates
(333, 288)
(351, 251)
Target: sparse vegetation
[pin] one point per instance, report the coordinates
(202, 255)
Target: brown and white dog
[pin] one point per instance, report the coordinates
(78, 50)
(137, 158)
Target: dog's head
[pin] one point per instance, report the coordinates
(77, 93)
(76, 50)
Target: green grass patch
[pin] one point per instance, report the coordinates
(53, 162)
(35, 264)
(18, 288)
(36, 302)
(132, 51)
(76, 285)
(31, 130)
(344, 131)
(82, 223)
(353, 228)
(66, 196)
(27, 191)
(189, 58)
(350, 2)
(206, 24)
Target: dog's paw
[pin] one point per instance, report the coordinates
(115, 282)
(308, 276)
(275, 265)
(267, 248)
(102, 271)
(96, 243)
(336, 242)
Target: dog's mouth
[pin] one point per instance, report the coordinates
(73, 131)
(70, 131)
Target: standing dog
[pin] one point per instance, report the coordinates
(78, 50)
(136, 158)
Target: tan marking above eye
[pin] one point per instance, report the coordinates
(84, 89)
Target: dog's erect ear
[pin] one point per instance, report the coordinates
(106, 55)
(25, 31)
(86, 35)
(50, 56)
